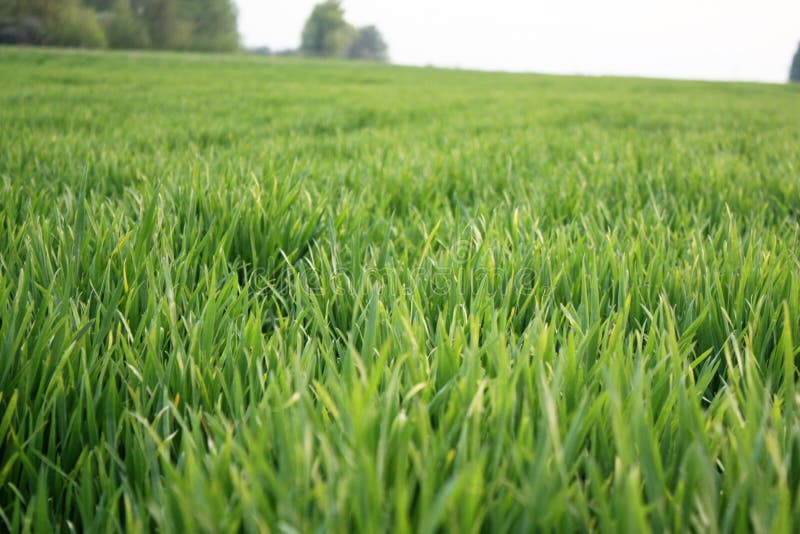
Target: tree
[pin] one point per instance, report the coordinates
(10, 9)
(40, 9)
(368, 44)
(100, 5)
(72, 24)
(794, 72)
(326, 33)
(124, 29)
(214, 27)
(167, 24)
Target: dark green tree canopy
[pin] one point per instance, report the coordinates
(167, 25)
(794, 72)
(368, 44)
(71, 23)
(124, 28)
(208, 25)
(326, 33)
(213, 25)
(100, 5)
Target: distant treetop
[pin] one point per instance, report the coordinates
(794, 72)
(327, 34)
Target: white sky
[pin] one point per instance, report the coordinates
(706, 39)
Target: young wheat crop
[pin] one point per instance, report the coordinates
(245, 294)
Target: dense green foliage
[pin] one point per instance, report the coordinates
(72, 24)
(263, 294)
(205, 25)
(126, 30)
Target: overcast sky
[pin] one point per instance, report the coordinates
(706, 39)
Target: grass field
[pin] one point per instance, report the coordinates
(283, 295)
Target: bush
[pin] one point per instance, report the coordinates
(22, 31)
(74, 25)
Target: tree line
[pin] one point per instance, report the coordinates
(204, 25)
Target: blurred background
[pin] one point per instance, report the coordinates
(695, 39)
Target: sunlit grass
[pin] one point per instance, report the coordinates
(263, 295)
